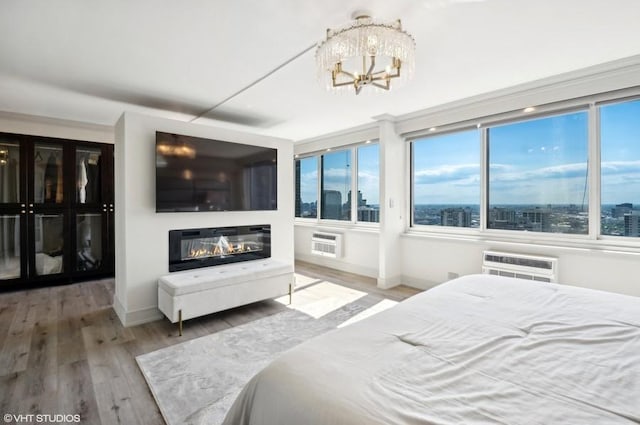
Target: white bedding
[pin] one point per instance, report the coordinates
(477, 350)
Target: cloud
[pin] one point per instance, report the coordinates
(620, 167)
(563, 171)
(446, 173)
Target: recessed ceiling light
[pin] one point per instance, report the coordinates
(528, 109)
(297, 156)
(432, 129)
(478, 125)
(367, 142)
(328, 149)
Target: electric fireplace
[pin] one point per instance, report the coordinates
(195, 248)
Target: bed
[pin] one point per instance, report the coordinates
(479, 349)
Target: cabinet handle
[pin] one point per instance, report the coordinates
(30, 205)
(104, 205)
(111, 205)
(23, 206)
(30, 211)
(23, 211)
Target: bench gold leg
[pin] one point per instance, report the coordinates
(180, 322)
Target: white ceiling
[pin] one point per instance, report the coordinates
(91, 60)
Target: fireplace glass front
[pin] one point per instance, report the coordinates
(195, 248)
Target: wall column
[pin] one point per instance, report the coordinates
(392, 202)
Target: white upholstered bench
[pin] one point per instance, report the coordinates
(188, 294)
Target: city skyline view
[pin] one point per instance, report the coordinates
(537, 176)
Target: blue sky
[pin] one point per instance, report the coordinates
(337, 174)
(536, 161)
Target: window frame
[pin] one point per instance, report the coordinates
(353, 221)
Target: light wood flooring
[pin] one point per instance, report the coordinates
(64, 351)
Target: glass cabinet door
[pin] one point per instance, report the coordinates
(48, 183)
(9, 173)
(49, 243)
(89, 244)
(10, 258)
(88, 175)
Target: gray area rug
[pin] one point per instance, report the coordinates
(197, 381)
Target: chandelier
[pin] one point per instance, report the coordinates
(366, 53)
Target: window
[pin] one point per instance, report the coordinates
(620, 169)
(307, 187)
(336, 186)
(446, 180)
(368, 183)
(538, 177)
(345, 195)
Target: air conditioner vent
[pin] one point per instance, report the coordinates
(326, 244)
(521, 266)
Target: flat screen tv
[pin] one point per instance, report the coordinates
(196, 174)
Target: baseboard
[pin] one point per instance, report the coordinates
(138, 317)
(120, 311)
(418, 283)
(389, 282)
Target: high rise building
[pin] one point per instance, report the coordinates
(502, 218)
(632, 224)
(620, 210)
(298, 194)
(332, 204)
(369, 214)
(455, 217)
(537, 220)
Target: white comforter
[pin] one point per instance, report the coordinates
(477, 350)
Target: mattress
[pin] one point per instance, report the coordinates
(480, 349)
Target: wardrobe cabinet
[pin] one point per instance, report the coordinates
(56, 210)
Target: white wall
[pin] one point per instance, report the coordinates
(142, 234)
(427, 261)
(359, 249)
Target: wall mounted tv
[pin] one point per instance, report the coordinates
(196, 174)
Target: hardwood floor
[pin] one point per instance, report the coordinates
(64, 351)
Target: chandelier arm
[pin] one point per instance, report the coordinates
(346, 83)
(373, 63)
(349, 74)
(381, 75)
(386, 86)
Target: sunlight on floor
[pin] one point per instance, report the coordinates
(302, 281)
(376, 308)
(319, 299)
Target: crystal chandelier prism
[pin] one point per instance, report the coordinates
(366, 53)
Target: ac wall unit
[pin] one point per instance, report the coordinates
(326, 244)
(522, 266)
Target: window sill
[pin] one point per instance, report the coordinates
(571, 244)
(339, 227)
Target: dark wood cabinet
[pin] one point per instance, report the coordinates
(56, 210)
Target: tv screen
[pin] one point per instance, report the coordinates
(196, 174)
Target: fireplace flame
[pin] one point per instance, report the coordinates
(220, 248)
